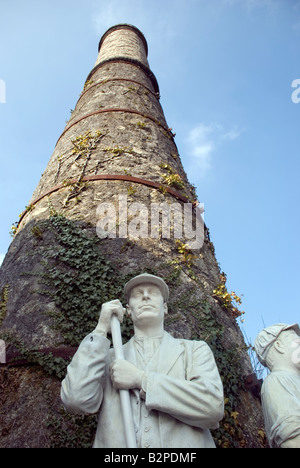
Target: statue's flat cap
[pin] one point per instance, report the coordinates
(268, 336)
(147, 278)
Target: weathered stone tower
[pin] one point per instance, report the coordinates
(115, 160)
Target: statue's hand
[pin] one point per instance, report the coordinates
(107, 310)
(125, 375)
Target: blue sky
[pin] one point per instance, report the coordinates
(225, 70)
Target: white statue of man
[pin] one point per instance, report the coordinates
(175, 389)
(278, 348)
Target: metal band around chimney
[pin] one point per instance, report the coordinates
(16, 359)
(134, 62)
(117, 109)
(102, 82)
(95, 178)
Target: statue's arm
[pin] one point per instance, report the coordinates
(292, 443)
(281, 406)
(196, 400)
(82, 388)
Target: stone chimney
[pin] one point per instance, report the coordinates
(114, 201)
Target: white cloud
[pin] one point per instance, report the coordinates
(203, 140)
(201, 145)
(231, 134)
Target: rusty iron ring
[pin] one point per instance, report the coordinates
(116, 109)
(94, 178)
(116, 79)
(133, 62)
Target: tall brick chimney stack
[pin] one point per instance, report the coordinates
(120, 101)
(115, 160)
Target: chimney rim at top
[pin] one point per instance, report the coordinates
(124, 26)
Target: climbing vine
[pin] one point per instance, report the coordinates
(15, 225)
(117, 150)
(72, 431)
(171, 178)
(78, 278)
(186, 252)
(230, 301)
(87, 84)
(83, 147)
(3, 302)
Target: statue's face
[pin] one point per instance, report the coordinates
(146, 303)
(291, 345)
(295, 350)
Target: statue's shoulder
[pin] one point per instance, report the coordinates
(191, 344)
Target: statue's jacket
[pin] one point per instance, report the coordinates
(280, 397)
(183, 397)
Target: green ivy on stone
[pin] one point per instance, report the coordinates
(79, 279)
